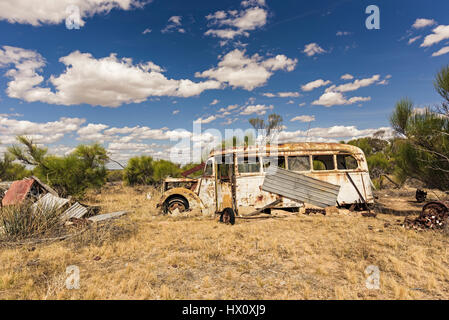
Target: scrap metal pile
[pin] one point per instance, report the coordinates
(435, 215)
(43, 196)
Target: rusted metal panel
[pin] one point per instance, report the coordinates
(75, 211)
(299, 187)
(49, 201)
(107, 216)
(17, 192)
(193, 170)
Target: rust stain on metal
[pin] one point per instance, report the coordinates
(17, 192)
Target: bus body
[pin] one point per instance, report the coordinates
(233, 178)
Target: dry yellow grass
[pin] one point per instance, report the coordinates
(145, 256)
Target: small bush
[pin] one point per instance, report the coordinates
(29, 221)
(139, 171)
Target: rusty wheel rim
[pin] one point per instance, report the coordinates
(177, 205)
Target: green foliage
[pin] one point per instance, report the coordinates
(424, 152)
(10, 171)
(163, 169)
(114, 175)
(72, 174)
(139, 171)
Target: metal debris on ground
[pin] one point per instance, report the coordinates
(315, 211)
(435, 215)
(106, 216)
(420, 195)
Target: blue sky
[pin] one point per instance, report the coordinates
(138, 73)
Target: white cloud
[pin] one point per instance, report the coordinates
(412, 40)
(343, 33)
(228, 25)
(422, 23)
(439, 34)
(304, 118)
(257, 109)
(357, 84)
(147, 30)
(48, 132)
(174, 24)
(207, 120)
(329, 99)
(239, 70)
(347, 76)
(108, 81)
(250, 3)
(441, 52)
(331, 134)
(175, 111)
(315, 84)
(282, 94)
(216, 101)
(312, 49)
(42, 12)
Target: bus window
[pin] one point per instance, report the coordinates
(208, 170)
(299, 163)
(276, 161)
(323, 163)
(346, 162)
(248, 165)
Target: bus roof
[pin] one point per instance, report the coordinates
(289, 147)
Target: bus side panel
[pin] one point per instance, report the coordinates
(348, 194)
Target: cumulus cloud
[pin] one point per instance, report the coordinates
(108, 81)
(357, 84)
(303, 118)
(315, 84)
(241, 71)
(230, 24)
(441, 52)
(206, 120)
(216, 101)
(259, 109)
(287, 94)
(422, 23)
(331, 134)
(174, 25)
(439, 34)
(42, 12)
(312, 49)
(347, 76)
(48, 132)
(329, 99)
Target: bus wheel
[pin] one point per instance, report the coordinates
(228, 216)
(176, 203)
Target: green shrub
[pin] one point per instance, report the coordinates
(164, 169)
(139, 171)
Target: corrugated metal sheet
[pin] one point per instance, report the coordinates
(107, 216)
(299, 187)
(75, 211)
(17, 192)
(51, 202)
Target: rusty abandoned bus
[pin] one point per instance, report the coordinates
(233, 178)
